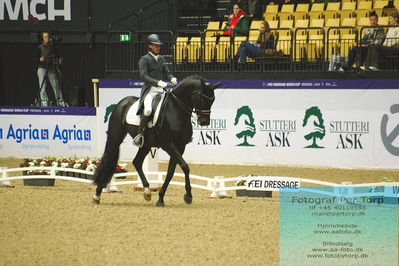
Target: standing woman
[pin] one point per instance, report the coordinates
(389, 47)
(237, 25)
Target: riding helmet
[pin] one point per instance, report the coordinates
(153, 39)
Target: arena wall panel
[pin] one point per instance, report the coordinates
(333, 123)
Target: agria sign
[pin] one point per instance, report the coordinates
(15, 8)
(63, 135)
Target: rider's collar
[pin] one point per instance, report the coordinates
(155, 56)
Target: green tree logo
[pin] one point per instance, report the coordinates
(316, 123)
(245, 120)
(108, 112)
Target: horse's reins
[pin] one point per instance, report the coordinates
(189, 110)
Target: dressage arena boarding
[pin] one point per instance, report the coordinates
(60, 225)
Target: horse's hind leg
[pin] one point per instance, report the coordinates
(138, 164)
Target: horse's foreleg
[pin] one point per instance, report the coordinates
(176, 155)
(169, 175)
(138, 164)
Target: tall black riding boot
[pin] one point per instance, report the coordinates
(139, 139)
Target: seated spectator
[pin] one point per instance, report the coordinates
(389, 47)
(389, 9)
(237, 25)
(263, 46)
(242, 3)
(371, 36)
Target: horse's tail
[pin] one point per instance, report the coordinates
(115, 135)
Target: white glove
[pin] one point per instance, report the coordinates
(162, 84)
(174, 81)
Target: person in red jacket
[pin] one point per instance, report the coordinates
(237, 25)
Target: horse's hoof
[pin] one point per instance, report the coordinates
(147, 194)
(188, 199)
(95, 200)
(160, 204)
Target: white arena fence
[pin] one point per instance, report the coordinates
(216, 185)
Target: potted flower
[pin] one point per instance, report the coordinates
(37, 163)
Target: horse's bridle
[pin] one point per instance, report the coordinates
(189, 110)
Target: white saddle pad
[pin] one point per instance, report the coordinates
(133, 119)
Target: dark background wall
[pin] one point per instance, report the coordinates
(83, 44)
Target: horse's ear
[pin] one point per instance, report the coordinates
(216, 85)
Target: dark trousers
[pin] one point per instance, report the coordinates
(361, 52)
(378, 52)
(248, 49)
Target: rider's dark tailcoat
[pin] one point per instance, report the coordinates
(151, 71)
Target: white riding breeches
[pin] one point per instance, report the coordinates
(154, 91)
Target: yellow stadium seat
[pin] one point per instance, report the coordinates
(332, 22)
(299, 15)
(284, 38)
(223, 49)
(361, 13)
(287, 8)
(273, 24)
(379, 4)
(365, 5)
(209, 49)
(330, 14)
(271, 9)
(348, 22)
(287, 24)
(346, 14)
(212, 28)
(317, 7)
(347, 41)
(315, 15)
(383, 21)
(302, 8)
(194, 50)
(270, 17)
(255, 24)
(284, 16)
(254, 30)
(316, 34)
(348, 6)
(333, 6)
(363, 21)
(181, 49)
(304, 23)
(317, 23)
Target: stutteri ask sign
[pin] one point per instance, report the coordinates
(272, 183)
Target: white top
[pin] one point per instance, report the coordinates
(392, 37)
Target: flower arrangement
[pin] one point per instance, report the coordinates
(73, 162)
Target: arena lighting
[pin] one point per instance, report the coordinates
(125, 37)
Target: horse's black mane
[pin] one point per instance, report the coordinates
(194, 77)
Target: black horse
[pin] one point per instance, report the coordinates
(172, 132)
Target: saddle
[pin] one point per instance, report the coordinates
(133, 119)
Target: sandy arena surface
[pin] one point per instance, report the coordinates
(60, 226)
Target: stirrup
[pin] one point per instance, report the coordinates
(138, 140)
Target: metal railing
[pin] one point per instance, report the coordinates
(305, 49)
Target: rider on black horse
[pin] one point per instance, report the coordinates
(153, 70)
